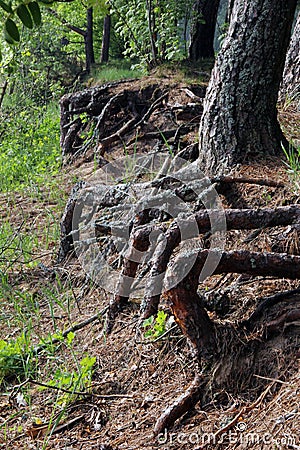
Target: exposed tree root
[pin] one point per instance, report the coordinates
(184, 403)
(266, 303)
(118, 111)
(131, 125)
(229, 351)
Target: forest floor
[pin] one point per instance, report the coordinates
(133, 378)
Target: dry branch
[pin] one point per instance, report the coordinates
(165, 134)
(75, 327)
(241, 413)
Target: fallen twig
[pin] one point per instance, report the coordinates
(76, 327)
(68, 391)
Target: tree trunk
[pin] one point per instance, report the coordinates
(106, 39)
(203, 29)
(88, 41)
(240, 116)
(290, 86)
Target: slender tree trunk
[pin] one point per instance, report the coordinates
(106, 39)
(3, 91)
(239, 121)
(88, 41)
(203, 29)
(290, 86)
(151, 30)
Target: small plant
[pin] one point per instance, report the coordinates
(74, 381)
(292, 155)
(16, 359)
(155, 327)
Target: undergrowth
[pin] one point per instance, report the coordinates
(29, 147)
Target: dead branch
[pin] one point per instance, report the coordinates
(80, 393)
(165, 134)
(243, 411)
(72, 329)
(128, 126)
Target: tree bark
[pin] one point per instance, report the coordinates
(203, 29)
(290, 87)
(229, 11)
(240, 116)
(106, 39)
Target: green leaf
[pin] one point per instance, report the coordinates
(12, 31)
(25, 16)
(70, 337)
(8, 38)
(148, 322)
(35, 12)
(6, 7)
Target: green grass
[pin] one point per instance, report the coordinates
(113, 71)
(29, 147)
